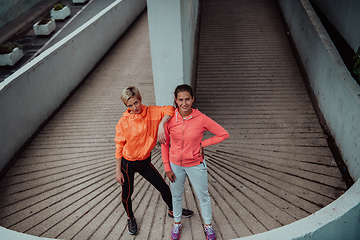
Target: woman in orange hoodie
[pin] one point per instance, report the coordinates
(136, 135)
(186, 156)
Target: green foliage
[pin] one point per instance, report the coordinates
(58, 7)
(8, 47)
(357, 63)
(44, 19)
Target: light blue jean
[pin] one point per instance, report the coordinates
(198, 178)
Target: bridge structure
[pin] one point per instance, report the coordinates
(274, 178)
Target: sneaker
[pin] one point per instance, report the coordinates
(210, 232)
(175, 233)
(132, 226)
(185, 213)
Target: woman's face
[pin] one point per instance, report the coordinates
(134, 104)
(184, 102)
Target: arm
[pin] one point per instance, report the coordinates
(167, 112)
(165, 156)
(161, 131)
(220, 133)
(119, 176)
(120, 142)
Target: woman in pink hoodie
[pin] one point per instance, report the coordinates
(185, 156)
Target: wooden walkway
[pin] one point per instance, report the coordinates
(274, 169)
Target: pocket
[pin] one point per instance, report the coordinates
(204, 163)
(189, 155)
(174, 155)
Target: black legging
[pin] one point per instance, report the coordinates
(149, 172)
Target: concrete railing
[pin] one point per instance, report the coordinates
(338, 220)
(30, 95)
(338, 96)
(173, 29)
(13, 235)
(345, 17)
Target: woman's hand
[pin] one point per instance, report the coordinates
(120, 177)
(201, 152)
(161, 130)
(171, 176)
(161, 134)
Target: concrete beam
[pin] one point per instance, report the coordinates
(172, 26)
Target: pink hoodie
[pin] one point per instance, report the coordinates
(186, 135)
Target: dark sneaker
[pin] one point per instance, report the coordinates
(132, 226)
(185, 213)
(175, 233)
(210, 232)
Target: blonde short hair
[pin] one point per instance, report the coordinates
(130, 92)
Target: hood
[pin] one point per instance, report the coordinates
(194, 113)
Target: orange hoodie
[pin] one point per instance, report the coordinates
(136, 135)
(185, 135)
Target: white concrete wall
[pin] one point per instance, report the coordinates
(345, 17)
(172, 26)
(30, 95)
(8, 12)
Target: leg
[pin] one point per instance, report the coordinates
(150, 173)
(199, 180)
(177, 190)
(127, 187)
